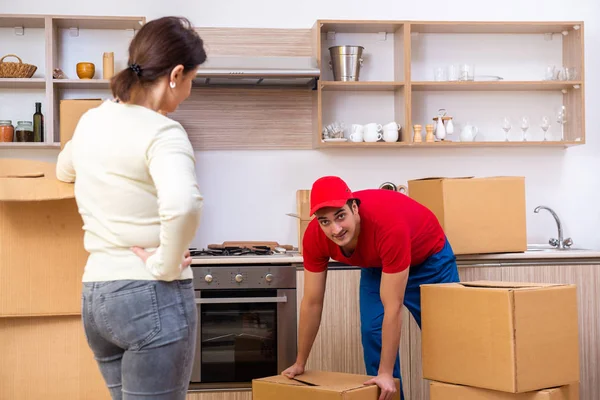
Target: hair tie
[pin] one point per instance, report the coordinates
(136, 68)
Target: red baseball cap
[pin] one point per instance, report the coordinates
(329, 191)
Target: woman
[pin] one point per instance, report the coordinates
(136, 190)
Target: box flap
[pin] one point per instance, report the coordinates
(434, 178)
(508, 285)
(27, 180)
(330, 381)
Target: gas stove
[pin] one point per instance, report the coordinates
(243, 249)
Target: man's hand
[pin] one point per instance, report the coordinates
(386, 384)
(294, 370)
(143, 254)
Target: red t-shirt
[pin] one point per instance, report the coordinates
(395, 232)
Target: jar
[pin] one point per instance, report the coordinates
(24, 131)
(7, 131)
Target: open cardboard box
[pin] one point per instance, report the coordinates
(317, 385)
(41, 241)
(506, 336)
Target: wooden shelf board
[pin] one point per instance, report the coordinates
(26, 21)
(82, 83)
(492, 27)
(28, 145)
(493, 85)
(440, 145)
(91, 22)
(353, 26)
(360, 85)
(28, 83)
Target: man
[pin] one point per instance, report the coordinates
(399, 245)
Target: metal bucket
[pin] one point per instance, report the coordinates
(346, 62)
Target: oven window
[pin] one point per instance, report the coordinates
(239, 340)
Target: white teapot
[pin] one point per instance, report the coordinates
(468, 133)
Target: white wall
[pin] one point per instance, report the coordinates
(249, 193)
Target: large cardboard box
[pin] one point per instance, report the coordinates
(512, 337)
(41, 241)
(446, 391)
(317, 385)
(479, 215)
(71, 111)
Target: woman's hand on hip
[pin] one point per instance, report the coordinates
(143, 254)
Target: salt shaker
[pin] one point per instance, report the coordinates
(108, 65)
(417, 138)
(429, 138)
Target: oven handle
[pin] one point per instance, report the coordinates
(233, 300)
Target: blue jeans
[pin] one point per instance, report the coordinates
(438, 268)
(143, 336)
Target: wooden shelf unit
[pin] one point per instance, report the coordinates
(61, 35)
(397, 82)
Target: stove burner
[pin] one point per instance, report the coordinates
(232, 251)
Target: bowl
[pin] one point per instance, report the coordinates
(86, 70)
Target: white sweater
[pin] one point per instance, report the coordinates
(135, 185)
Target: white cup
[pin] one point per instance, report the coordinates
(391, 125)
(372, 132)
(390, 135)
(357, 133)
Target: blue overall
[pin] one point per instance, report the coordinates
(438, 268)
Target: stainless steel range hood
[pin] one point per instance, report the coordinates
(258, 71)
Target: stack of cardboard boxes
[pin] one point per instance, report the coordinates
(500, 341)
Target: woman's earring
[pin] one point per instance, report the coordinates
(172, 84)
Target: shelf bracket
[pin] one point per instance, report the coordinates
(331, 35)
(381, 36)
(564, 91)
(19, 31)
(577, 27)
(576, 86)
(74, 31)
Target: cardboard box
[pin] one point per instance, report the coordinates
(446, 391)
(479, 215)
(317, 385)
(70, 112)
(511, 337)
(41, 241)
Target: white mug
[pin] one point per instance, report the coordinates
(372, 132)
(390, 135)
(357, 133)
(391, 125)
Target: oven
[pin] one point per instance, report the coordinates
(246, 323)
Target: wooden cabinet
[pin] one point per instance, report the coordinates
(411, 69)
(55, 41)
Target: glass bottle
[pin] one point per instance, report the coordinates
(7, 131)
(38, 124)
(24, 131)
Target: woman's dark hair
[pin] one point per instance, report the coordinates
(158, 47)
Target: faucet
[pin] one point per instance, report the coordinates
(558, 243)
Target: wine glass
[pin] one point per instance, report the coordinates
(561, 118)
(524, 127)
(506, 127)
(545, 125)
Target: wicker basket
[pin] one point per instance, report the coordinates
(16, 70)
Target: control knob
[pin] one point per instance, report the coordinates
(269, 277)
(208, 278)
(239, 278)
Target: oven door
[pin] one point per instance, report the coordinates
(243, 334)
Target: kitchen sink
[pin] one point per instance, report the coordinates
(547, 247)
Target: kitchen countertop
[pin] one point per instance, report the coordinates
(537, 253)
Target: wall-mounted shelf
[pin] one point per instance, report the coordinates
(397, 80)
(58, 41)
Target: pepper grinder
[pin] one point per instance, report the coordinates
(108, 65)
(418, 129)
(429, 138)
